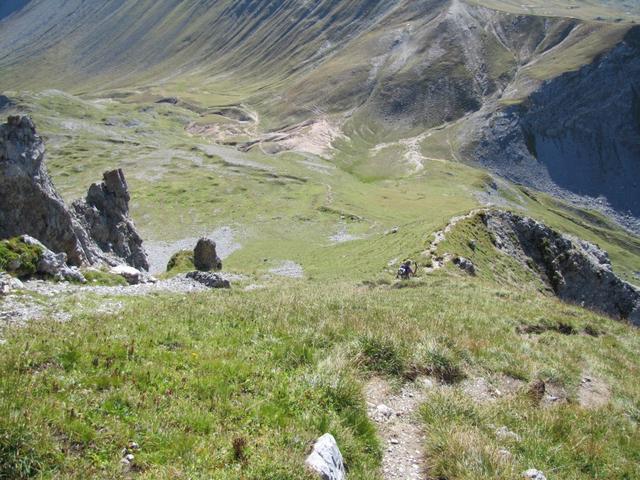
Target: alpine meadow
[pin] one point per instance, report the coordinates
(320, 239)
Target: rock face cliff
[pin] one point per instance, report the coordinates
(7, 7)
(98, 231)
(105, 215)
(30, 203)
(579, 132)
(576, 270)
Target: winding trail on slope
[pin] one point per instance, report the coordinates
(399, 428)
(439, 236)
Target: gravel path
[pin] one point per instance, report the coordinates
(439, 262)
(395, 414)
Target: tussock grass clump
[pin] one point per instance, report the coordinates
(18, 459)
(380, 355)
(442, 365)
(441, 359)
(99, 277)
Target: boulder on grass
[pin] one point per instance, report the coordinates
(465, 265)
(8, 284)
(211, 280)
(133, 276)
(205, 257)
(326, 460)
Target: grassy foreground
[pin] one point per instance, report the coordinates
(237, 384)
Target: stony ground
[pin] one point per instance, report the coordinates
(53, 300)
(395, 414)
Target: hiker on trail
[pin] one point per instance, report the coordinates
(405, 271)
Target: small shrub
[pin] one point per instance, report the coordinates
(593, 331)
(547, 326)
(239, 449)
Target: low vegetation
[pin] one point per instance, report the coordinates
(18, 257)
(181, 262)
(238, 384)
(104, 278)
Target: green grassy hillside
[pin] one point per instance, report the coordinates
(317, 140)
(238, 384)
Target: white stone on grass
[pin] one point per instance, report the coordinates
(326, 460)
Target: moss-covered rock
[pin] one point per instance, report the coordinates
(181, 261)
(19, 258)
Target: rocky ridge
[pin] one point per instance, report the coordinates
(577, 271)
(97, 231)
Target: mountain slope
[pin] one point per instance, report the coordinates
(580, 131)
(320, 143)
(378, 87)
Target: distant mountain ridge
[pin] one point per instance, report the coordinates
(439, 72)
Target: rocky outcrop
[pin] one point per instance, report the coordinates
(96, 231)
(53, 265)
(26, 257)
(205, 257)
(577, 135)
(30, 203)
(211, 280)
(576, 270)
(5, 102)
(326, 460)
(105, 214)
